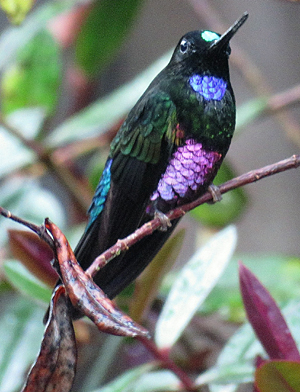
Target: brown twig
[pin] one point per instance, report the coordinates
(167, 363)
(65, 176)
(149, 227)
(284, 99)
(39, 230)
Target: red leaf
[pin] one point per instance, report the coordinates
(86, 296)
(259, 360)
(54, 369)
(34, 253)
(266, 318)
(278, 376)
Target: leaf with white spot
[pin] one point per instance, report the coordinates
(193, 285)
(14, 154)
(29, 200)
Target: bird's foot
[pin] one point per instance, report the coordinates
(164, 220)
(214, 190)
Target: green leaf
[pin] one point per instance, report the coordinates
(27, 121)
(102, 364)
(194, 283)
(291, 313)
(225, 298)
(284, 283)
(13, 153)
(249, 112)
(157, 381)
(96, 167)
(230, 208)
(16, 10)
(34, 78)
(21, 330)
(98, 117)
(25, 282)
(235, 364)
(127, 381)
(26, 198)
(221, 378)
(149, 281)
(14, 38)
(102, 33)
(279, 376)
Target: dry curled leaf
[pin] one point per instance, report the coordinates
(86, 296)
(54, 369)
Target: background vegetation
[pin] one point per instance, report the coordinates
(70, 71)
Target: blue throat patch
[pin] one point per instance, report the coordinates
(209, 87)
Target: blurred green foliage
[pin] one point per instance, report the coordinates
(34, 79)
(16, 10)
(102, 33)
(31, 85)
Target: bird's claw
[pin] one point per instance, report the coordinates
(164, 220)
(214, 190)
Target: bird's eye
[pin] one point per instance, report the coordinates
(184, 46)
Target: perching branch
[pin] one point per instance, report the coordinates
(148, 228)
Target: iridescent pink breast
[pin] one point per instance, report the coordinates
(189, 169)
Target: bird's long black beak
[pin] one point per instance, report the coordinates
(226, 37)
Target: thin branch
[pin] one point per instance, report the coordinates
(65, 176)
(284, 99)
(39, 230)
(167, 363)
(149, 227)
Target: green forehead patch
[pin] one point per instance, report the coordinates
(209, 36)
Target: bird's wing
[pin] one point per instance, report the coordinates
(141, 142)
(138, 156)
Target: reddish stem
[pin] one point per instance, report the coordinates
(166, 362)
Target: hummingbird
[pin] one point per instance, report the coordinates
(166, 153)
